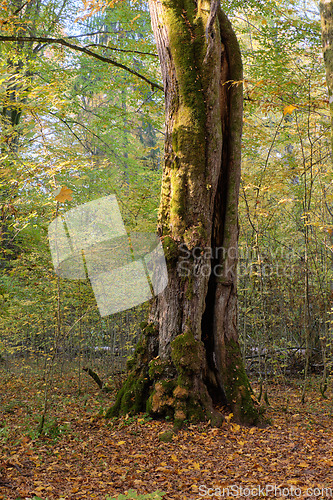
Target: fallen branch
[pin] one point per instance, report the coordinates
(98, 381)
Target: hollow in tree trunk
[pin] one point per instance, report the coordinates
(189, 361)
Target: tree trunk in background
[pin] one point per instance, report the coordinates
(326, 15)
(14, 89)
(189, 357)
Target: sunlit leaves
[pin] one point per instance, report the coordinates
(285, 166)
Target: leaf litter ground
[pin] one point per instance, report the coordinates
(81, 455)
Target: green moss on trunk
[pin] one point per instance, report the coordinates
(167, 388)
(237, 387)
(187, 353)
(132, 397)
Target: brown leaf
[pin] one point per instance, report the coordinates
(63, 194)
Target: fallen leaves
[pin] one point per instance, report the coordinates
(96, 457)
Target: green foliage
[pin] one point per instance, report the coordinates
(74, 128)
(286, 191)
(4, 433)
(53, 430)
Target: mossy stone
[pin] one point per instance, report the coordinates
(166, 437)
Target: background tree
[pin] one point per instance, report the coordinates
(326, 14)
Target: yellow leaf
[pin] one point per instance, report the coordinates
(174, 458)
(304, 465)
(196, 466)
(121, 442)
(63, 195)
(289, 109)
(294, 481)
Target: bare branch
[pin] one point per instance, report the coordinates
(84, 50)
(121, 50)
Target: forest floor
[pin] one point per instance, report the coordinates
(82, 455)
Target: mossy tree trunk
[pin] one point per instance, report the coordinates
(189, 358)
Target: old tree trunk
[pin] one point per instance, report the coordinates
(189, 358)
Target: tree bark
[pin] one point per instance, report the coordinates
(189, 358)
(326, 15)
